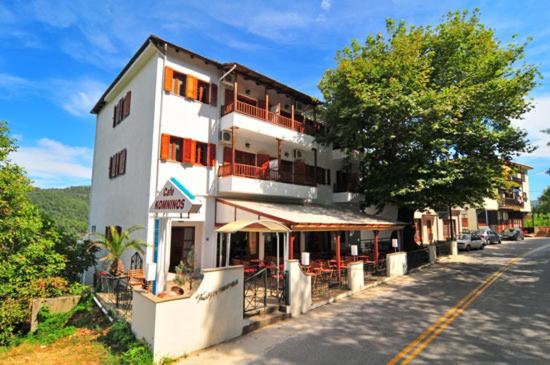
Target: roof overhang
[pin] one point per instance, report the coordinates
(314, 218)
(253, 226)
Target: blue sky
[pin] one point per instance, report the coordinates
(56, 58)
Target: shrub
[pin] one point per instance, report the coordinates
(52, 326)
(13, 315)
(132, 351)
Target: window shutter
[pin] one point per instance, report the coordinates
(114, 116)
(213, 94)
(164, 147)
(122, 164)
(120, 110)
(191, 87)
(111, 167)
(211, 154)
(189, 147)
(127, 102)
(168, 79)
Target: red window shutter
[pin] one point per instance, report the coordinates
(122, 163)
(213, 94)
(120, 110)
(111, 167)
(191, 87)
(127, 102)
(164, 147)
(227, 154)
(187, 153)
(211, 154)
(168, 79)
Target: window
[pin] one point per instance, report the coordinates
(108, 234)
(201, 153)
(122, 109)
(187, 150)
(203, 92)
(117, 164)
(176, 149)
(190, 87)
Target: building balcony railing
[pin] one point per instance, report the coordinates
(507, 202)
(298, 123)
(516, 179)
(256, 172)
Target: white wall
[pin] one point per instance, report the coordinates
(124, 200)
(177, 326)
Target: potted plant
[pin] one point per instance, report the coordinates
(184, 271)
(116, 244)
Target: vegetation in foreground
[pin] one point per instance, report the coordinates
(81, 336)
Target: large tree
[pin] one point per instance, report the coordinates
(430, 110)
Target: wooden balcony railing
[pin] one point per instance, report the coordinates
(507, 202)
(255, 172)
(303, 126)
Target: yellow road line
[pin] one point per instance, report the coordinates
(430, 333)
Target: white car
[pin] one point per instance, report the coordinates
(468, 241)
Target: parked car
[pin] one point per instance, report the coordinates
(488, 236)
(468, 241)
(513, 234)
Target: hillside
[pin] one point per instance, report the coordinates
(68, 206)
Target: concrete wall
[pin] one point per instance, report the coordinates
(356, 276)
(177, 326)
(54, 305)
(396, 264)
(299, 289)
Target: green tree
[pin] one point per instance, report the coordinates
(116, 244)
(429, 109)
(543, 202)
(29, 264)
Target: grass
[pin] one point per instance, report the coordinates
(82, 336)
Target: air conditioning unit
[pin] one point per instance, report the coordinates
(225, 137)
(298, 154)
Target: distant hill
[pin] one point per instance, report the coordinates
(67, 206)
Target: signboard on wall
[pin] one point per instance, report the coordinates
(175, 198)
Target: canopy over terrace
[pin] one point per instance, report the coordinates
(306, 218)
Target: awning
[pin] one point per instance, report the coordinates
(314, 217)
(253, 226)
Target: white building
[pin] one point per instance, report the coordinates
(237, 144)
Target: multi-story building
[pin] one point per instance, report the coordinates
(230, 143)
(507, 211)
(513, 202)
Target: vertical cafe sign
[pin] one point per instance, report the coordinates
(175, 198)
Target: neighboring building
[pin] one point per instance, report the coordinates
(234, 144)
(513, 203)
(507, 211)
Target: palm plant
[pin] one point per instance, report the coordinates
(116, 244)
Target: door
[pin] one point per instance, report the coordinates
(182, 247)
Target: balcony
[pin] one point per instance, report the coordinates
(285, 126)
(249, 179)
(513, 203)
(346, 188)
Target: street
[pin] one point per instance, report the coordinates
(486, 306)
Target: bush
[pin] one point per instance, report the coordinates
(13, 316)
(52, 326)
(132, 351)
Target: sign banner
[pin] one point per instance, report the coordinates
(175, 198)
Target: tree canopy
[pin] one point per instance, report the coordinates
(543, 202)
(429, 108)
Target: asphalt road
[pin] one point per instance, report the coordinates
(478, 308)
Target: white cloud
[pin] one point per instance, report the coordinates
(50, 163)
(325, 4)
(76, 96)
(79, 96)
(534, 122)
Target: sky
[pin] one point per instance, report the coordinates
(57, 57)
